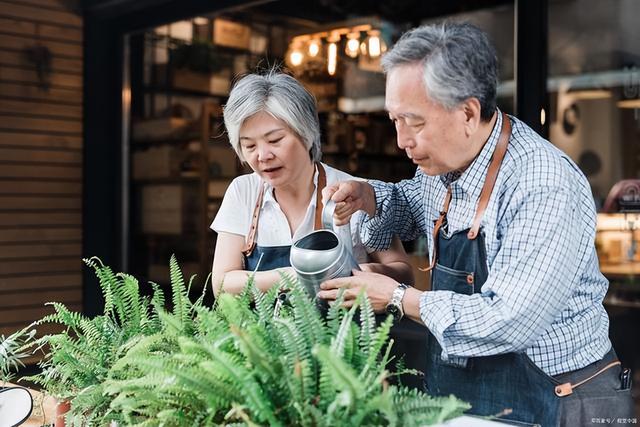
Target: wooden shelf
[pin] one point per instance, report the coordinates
(190, 180)
(160, 89)
(621, 269)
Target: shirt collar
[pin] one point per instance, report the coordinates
(471, 181)
(270, 198)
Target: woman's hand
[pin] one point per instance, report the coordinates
(378, 288)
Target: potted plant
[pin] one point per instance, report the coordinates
(78, 360)
(240, 362)
(246, 365)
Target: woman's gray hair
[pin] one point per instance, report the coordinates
(280, 95)
(459, 63)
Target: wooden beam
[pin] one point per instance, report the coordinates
(40, 251)
(40, 281)
(39, 187)
(26, 139)
(13, 26)
(51, 234)
(38, 171)
(41, 204)
(58, 64)
(73, 127)
(29, 74)
(38, 298)
(64, 5)
(36, 14)
(22, 43)
(37, 218)
(14, 267)
(41, 108)
(40, 155)
(34, 92)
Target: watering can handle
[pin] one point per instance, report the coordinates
(343, 231)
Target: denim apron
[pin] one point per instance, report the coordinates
(264, 258)
(509, 385)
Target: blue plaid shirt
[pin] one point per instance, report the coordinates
(544, 292)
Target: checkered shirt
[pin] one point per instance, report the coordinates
(544, 292)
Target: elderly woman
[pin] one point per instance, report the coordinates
(272, 123)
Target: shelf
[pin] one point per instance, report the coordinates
(368, 156)
(181, 92)
(173, 180)
(382, 156)
(185, 234)
(135, 143)
(218, 187)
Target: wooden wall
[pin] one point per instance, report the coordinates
(40, 160)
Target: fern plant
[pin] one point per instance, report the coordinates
(243, 365)
(13, 349)
(78, 360)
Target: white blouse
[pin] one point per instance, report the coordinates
(234, 215)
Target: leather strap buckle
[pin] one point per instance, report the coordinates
(566, 389)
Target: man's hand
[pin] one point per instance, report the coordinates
(379, 288)
(350, 196)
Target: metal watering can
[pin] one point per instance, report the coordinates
(323, 254)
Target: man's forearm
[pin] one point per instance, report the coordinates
(411, 305)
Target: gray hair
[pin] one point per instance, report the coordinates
(459, 63)
(280, 95)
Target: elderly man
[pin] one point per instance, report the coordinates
(515, 314)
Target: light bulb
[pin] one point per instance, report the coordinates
(295, 58)
(332, 58)
(374, 45)
(314, 48)
(353, 44)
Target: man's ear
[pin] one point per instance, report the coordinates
(471, 109)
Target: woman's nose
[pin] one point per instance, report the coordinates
(264, 153)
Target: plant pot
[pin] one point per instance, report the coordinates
(61, 410)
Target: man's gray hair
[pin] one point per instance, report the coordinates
(459, 63)
(280, 95)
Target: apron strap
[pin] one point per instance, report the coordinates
(322, 182)
(492, 175)
(485, 194)
(436, 229)
(566, 389)
(250, 244)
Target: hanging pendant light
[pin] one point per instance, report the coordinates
(374, 44)
(295, 55)
(332, 53)
(353, 44)
(313, 48)
(332, 58)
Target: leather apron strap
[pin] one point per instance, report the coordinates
(322, 182)
(250, 243)
(485, 194)
(492, 175)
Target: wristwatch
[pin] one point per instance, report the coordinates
(394, 307)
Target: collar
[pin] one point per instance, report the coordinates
(470, 181)
(270, 198)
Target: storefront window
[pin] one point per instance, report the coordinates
(594, 88)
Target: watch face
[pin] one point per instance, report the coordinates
(393, 310)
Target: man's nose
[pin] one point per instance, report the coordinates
(404, 137)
